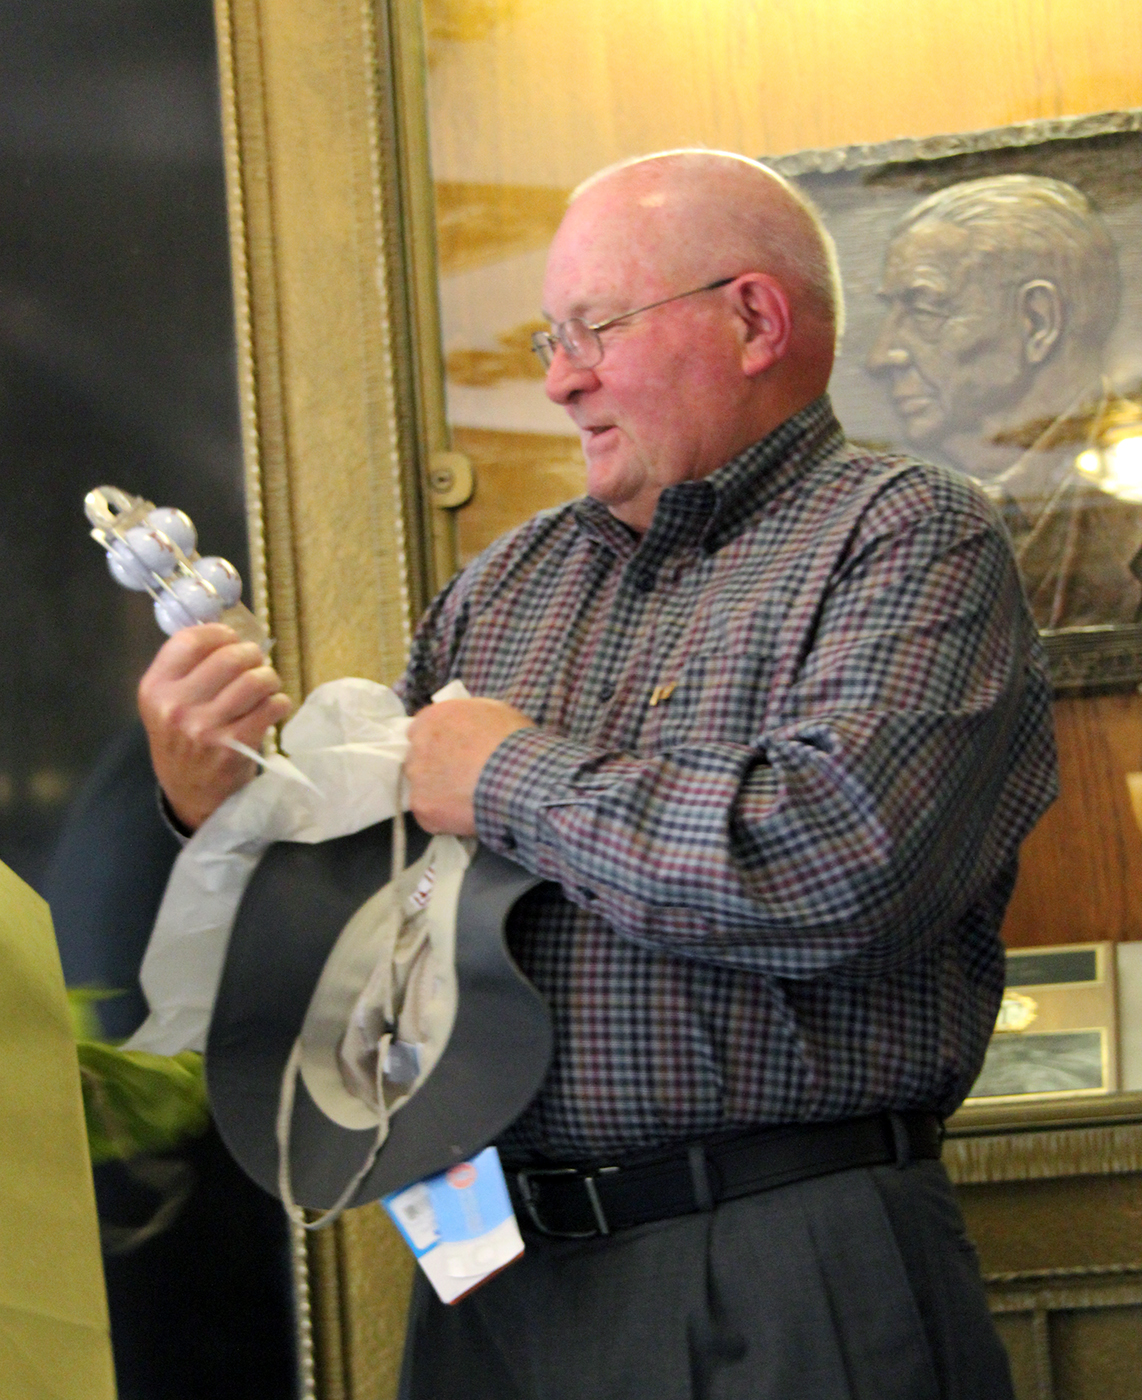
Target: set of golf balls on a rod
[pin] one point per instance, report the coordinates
(153, 550)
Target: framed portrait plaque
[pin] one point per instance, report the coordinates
(994, 294)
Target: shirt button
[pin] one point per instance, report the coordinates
(508, 841)
(606, 693)
(586, 895)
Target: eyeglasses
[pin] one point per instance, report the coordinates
(582, 343)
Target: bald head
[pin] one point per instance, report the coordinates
(699, 208)
(712, 288)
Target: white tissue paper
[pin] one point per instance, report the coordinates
(346, 745)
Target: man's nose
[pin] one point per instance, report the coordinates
(565, 379)
(887, 353)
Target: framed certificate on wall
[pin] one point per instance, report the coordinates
(1056, 1033)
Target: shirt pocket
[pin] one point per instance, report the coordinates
(711, 696)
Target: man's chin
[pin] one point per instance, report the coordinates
(598, 443)
(606, 491)
(923, 424)
(609, 475)
(627, 500)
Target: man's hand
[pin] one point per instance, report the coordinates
(206, 686)
(449, 743)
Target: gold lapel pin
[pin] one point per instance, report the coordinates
(661, 693)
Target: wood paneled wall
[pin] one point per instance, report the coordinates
(542, 92)
(1080, 877)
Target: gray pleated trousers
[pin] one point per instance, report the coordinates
(856, 1286)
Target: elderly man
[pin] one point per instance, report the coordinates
(765, 710)
(1001, 294)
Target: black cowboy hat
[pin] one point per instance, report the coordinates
(295, 906)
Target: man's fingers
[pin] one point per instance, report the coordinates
(245, 692)
(449, 743)
(178, 656)
(216, 668)
(215, 673)
(210, 721)
(251, 728)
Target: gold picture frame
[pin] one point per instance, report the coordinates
(1056, 1035)
(1085, 597)
(333, 259)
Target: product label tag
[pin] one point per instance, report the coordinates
(460, 1224)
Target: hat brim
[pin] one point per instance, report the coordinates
(298, 900)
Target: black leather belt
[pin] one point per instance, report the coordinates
(578, 1202)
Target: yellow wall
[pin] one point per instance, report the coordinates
(543, 92)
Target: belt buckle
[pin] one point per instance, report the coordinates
(531, 1204)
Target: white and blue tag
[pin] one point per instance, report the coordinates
(459, 1224)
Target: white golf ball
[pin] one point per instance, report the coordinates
(126, 569)
(152, 549)
(176, 525)
(171, 616)
(196, 598)
(222, 576)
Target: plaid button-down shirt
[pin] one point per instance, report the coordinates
(790, 741)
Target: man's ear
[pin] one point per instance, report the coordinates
(763, 306)
(1041, 316)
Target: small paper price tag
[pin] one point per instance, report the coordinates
(460, 1224)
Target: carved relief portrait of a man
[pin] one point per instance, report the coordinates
(1000, 294)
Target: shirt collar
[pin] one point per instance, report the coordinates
(768, 468)
(716, 509)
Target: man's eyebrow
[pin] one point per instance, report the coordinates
(578, 311)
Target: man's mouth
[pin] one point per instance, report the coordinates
(592, 433)
(907, 405)
(911, 395)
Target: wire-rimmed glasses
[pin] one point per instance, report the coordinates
(582, 343)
